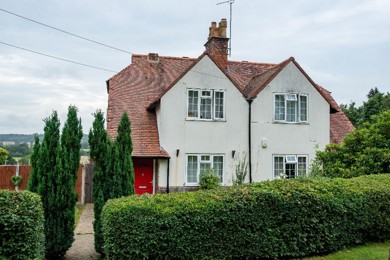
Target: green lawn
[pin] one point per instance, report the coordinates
(78, 210)
(371, 251)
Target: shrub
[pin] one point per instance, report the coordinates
(364, 151)
(272, 219)
(208, 180)
(21, 225)
(241, 171)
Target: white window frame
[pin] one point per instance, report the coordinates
(213, 104)
(291, 97)
(290, 159)
(199, 161)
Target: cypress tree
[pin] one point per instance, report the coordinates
(124, 170)
(68, 162)
(46, 173)
(98, 143)
(113, 170)
(56, 168)
(32, 184)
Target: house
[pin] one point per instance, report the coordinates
(190, 114)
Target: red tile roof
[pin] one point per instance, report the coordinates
(132, 90)
(140, 86)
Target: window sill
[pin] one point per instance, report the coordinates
(205, 120)
(197, 184)
(290, 123)
(191, 184)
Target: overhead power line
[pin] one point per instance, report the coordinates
(63, 31)
(58, 58)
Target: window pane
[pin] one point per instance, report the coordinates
(291, 111)
(278, 165)
(291, 159)
(192, 103)
(205, 108)
(279, 107)
(291, 97)
(218, 166)
(192, 169)
(301, 166)
(204, 166)
(303, 108)
(219, 104)
(290, 170)
(206, 93)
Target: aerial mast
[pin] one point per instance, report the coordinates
(230, 2)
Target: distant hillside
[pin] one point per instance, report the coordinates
(23, 138)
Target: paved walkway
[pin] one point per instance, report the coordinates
(83, 245)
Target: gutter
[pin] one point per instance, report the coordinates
(250, 139)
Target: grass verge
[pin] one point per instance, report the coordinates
(78, 211)
(370, 251)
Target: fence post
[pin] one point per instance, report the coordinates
(83, 185)
(17, 174)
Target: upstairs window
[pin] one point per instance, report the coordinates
(206, 104)
(291, 108)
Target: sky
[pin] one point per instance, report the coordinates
(344, 46)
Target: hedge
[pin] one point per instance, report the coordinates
(272, 219)
(21, 225)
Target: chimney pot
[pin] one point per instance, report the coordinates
(211, 29)
(222, 28)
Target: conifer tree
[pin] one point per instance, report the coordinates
(124, 171)
(32, 184)
(98, 143)
(113, 170)
(67, 168)
(56, 169)
(46, 173)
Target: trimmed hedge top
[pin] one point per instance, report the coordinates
(280, 218)
(21, 225)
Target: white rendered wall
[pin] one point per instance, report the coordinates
(201, 137)
(285, 138)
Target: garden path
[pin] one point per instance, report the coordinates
(83, 245)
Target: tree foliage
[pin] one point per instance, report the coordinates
(364, 151)
(18, 150)
(32, 184)
(124, 171)
(4, 154)
(98, 142)
(113, 170)
(375, 104)
(54, 169)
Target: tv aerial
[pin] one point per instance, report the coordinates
(230, 2)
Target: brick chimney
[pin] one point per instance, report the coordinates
(217, 44)
(153, 58)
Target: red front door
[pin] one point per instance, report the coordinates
(143, 171)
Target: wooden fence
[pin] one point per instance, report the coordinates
(7, 171)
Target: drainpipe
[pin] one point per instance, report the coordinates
(250, 140)
(168, 177)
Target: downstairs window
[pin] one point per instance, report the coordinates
(197, 163)
(290, 166)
